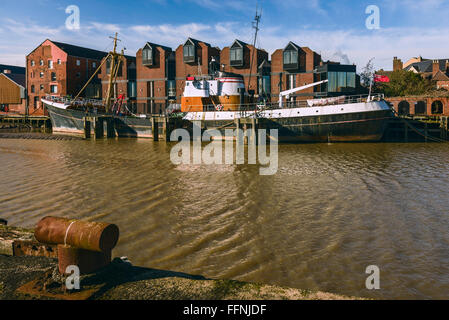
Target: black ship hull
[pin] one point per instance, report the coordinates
(71, 122)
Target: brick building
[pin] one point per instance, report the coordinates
(250, 62)
(126, 79)
(60, 69)
(12, 90)
(296, 66)
(194, 58)
(436, 70)
(156, 74)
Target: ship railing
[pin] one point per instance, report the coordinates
(249, 108)
(77, 102)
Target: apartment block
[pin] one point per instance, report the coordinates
(251, 63)
(156, 73)
(194, 58)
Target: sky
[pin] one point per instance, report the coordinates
(334, 28)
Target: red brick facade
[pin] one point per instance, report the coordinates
(204, 53)
(429, 106)
(252, 59)
(282, 79)
(153, 78)
(61, 67)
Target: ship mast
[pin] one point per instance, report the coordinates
(256, 28)
(112, 72)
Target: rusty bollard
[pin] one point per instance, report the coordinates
(87, 245)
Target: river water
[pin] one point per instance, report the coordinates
(331, 210)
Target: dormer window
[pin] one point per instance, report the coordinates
(189, 52)
(147, 56)
(291, 57)
(236, 55)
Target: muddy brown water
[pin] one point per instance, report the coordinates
(329, 212)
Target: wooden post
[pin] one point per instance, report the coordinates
(86, 128)
(155, 128)
(99, 128)
(110, 131)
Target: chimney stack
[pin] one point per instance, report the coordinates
(397, 64)
(435, 67)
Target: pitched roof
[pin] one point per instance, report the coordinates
(157, 45)
(196, 42)
(292, 44)
(81, 52)
(427, 65)
(440, 76)
(13, 69)
(19, 79)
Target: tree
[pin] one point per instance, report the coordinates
(367, 74)
(405, 83)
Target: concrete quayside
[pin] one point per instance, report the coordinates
(29, 270)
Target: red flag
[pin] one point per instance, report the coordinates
(379, 78)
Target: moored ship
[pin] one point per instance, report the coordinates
(334, 119)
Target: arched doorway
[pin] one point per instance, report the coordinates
(404, 108)
(437, 107)
(420, 107)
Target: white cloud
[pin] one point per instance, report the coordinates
(353, 46)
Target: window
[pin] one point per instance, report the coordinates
(53, 76)
(78, 63)
(291, 59)
(342, 82)
(50, 64)
(171, 88)
(41, 62)
(351, 80)
(147, 56)
(94, 65)
(189, 53)
(437, 107)
(291, 81)
(42, 87)
(132, 89)
(59, 61)
(32, 88)
(54, 89)
(41, 74)
(332, 84)
(33, 63)
(236, 57)
(78, 75)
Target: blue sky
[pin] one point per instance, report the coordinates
(334, 28)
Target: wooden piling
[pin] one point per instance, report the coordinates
(86, 128)
(99, 128)
(155, 128)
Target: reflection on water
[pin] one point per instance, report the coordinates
(329, 212)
